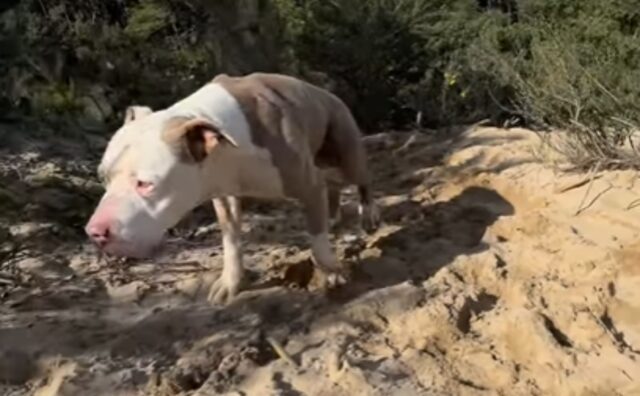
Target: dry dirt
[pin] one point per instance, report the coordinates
(492, 275)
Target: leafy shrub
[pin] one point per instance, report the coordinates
(67, 56)
(554, 63)
(567, 63)
(396, 58)
(147, 18)
(367, 47)
(579, 72)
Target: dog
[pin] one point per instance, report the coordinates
(260, 135)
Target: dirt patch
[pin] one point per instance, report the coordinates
(490, 276)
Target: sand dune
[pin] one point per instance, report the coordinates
(494, 274)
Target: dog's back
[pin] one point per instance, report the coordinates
(296, 113)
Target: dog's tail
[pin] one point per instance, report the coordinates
(347, 139)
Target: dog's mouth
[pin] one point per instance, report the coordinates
(119, 250)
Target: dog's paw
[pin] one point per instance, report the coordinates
(333, 279)
(224, 289)
(331, 274)
(369, 217)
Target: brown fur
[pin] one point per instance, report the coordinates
(192, 139)
(285, 112)
(306, 129)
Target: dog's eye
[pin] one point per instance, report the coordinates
(144, 188)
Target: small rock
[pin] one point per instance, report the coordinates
(190, 286)
(30, 157)
(25, 230)
(350, 238)
(81, 262)
(129, 292)
(166, 278)
(45, 173)
(204, 230)
(49, 269)
(31, 264)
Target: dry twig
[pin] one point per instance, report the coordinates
(281, 352)
(577, 184)
(56, 379)
(592, 175)
(410, 141)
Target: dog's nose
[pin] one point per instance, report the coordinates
(100, 233)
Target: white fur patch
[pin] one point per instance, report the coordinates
(231, 250)
(211, 102)
(119, 142)
(137, 152)
(217, 105)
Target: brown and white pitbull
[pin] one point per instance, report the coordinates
(262, 136)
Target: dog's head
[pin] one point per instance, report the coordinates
(156, 168)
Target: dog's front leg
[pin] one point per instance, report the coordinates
(229, 215)
(316, 207)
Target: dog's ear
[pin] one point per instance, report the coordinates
(196, 138)
(135, 113)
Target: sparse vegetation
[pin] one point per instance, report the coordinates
(552, 64)
(86, 62)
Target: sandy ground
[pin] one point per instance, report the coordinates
(494, 274)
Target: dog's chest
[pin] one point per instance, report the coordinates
(258, 177)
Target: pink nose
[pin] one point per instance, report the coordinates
(99, 232)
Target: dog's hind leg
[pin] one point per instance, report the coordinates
(316, 209)
(335, 210)
(347, 141)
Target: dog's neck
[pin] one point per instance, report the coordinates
(215, 104)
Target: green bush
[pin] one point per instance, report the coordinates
(579, 72)
(369, 48)
(73, 60)
(393, 59)
(571, 64)
(566, 64)
(147, 18)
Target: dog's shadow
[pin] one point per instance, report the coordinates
(429, 237)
